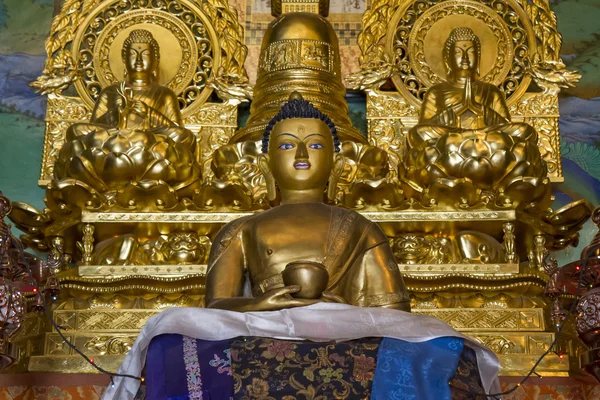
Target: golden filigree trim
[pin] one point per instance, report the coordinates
(122, 288)
(384, 299)
(85, 279)
(375, 216)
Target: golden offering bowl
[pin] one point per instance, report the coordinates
(312, 277)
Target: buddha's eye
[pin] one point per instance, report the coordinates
(286, 146)
(315, 146)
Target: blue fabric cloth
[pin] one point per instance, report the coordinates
(175, 371)
(416, 371)
(166, 353)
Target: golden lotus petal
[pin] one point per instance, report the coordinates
(117, 170)
(83, 170)
(475, 148)
(147, 195)
(479, 170)
(118, 143)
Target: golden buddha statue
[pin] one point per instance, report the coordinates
(135, 132)
(465, 136)
(300, 155)
(463, 103)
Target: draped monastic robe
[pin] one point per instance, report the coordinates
(355, 251)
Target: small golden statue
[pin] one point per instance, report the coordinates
(135, 134)
(139, 102)
(464, 128)
(302, 236)
(463, 103)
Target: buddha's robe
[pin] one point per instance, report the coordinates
(355, 251)
(438, 114)
(164, 115)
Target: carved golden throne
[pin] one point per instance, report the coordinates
(520, 55)
(202, 57)
(491, 295)
(202, 42)
(498, 302)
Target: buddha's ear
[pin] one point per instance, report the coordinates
(339, 162)
(263, 165)
(446, 66)
(336, 172)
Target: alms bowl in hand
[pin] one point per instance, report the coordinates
(312, 277)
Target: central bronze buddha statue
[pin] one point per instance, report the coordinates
(300, 155)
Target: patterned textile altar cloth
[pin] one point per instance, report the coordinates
(182, 368)
(320, 323)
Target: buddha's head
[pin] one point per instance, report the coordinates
(461, 53)
(141, 56)
(300, 149)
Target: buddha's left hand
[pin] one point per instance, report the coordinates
(330, 297)
(140, 108)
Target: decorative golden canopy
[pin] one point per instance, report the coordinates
(299, 53)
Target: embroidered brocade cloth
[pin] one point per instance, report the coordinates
(272, 369)
(249, 368)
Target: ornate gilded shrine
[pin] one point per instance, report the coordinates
(135, 194)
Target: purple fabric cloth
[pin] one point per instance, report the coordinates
(181, 368)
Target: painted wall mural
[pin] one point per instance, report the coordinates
(24, 24)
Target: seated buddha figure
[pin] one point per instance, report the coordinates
(465, 132)
(300, 154)
(136, 130)
(139, 102)
(463, 103)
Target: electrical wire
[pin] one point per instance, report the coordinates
(496, 396)
(58, 328)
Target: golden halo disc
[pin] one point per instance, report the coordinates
(432, 29)
(175, 43)
(436, 40)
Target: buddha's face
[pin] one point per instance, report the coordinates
(463, 58)
(301, 153)
(140, 61)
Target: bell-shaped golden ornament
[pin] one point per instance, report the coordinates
(299, 52)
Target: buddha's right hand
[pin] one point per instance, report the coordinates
(470, 102)
(277, 299)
